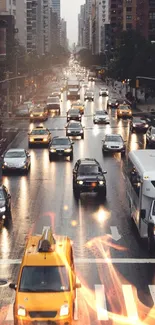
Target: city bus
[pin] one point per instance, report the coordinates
(140, 187)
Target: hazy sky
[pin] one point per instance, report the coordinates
(69, 11)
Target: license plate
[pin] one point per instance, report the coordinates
(60, 153)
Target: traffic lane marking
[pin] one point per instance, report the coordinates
(93, 261)
(100, 299)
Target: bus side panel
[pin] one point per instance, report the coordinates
(134, 203)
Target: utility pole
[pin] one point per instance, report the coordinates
(16, 86)
(8, 94)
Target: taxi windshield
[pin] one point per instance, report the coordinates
(122, 107)
(39, 132)
(44, 279)
(38, 109)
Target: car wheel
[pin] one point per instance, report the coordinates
(51, 157)
(29, 145)
(151, 239)
(95, 122)
(71, 156)
(123, 154)
(76, 193)
(82, 136)
(131, 129)
(102, 193)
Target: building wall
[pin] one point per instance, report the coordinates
(21, 21)
(143, 17)
(151, 22)
(8, 7)
(56, 7)
(63, 33)
(10, 32)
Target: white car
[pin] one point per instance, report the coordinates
(101, 117)
(16, 159)
(103, 92)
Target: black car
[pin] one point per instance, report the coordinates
(88, 177)
(75, 129)
(139, 124)
(74, 114)
(112, 103)
(61, 146)
(150, 137)
(89, 95)
(5, 204)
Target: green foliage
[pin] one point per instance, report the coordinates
(134, 56)
(87, 59)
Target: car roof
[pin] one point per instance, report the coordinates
(62, 138)
(101, 111)
(113, 135)
(74, 122)
(16, 149)
(88, 161)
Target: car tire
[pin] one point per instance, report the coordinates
(132, 129)
(71, 156)
(82, 136)
(95, 122)
(29, 145)
(51, 157)
(102, 194)
(151, 239)
(76, 193)
(123, 153)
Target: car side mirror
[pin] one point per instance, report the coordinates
(142, 213)
(77, 285)
(104, 172)
(13, 286)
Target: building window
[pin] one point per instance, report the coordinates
(152, 15)
(29, 5)
(128, 17)
(128, 9)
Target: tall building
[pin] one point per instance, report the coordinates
(143, 17)
(54, 28)
(56, 9)
(116, 20)
(21, 22)
(88, 24)
(8, 7)
(151, 22)
(82, 26)
(63, 33)
(102, 19)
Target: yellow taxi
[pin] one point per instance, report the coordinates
(39, 135)
(38, 113)
(78, 105)
(124, 110)
(46, 285)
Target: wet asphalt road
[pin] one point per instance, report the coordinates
(121, 286)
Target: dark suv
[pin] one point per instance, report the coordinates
(150, 137)
(88, 177)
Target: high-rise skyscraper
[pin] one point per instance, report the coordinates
(56, 8)
(63, 33)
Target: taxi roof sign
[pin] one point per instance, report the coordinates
(47, 240)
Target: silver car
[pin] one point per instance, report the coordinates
(101, 117)
(16, 159)
(113, 143)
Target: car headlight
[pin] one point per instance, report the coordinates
(81, 131)
(101, 182)
(21, 311)
(41, 114)
(31, 115)
(64, 310)
(68, 150)
(109, 103)
(31, 140)
(68, 93)
(53, 150)
(79, 115)
(134, 124)
(68, 131)
(5, 164)
(2, 209)
(78, 93)
(68, 116)
(146, 125)
(80, 182)
(45, 139)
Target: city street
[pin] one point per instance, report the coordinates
(112, 263)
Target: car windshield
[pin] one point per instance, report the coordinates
(1, 195)
(39, 132)
(53, 100)
(88, 170)
(74, 125)
(15, 154)
(138, 120)
(38, 110)
(89, 94)
(23, 108)
(122, 107)
(101, 113)
(113, 138)
(60, 142)
(74, 112)
(44, 279)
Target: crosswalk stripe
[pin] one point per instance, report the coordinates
(130, 303)
(10, 313)
(101, 306)
(152, 292)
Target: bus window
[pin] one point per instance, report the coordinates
(135, 180)
(153, 209)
